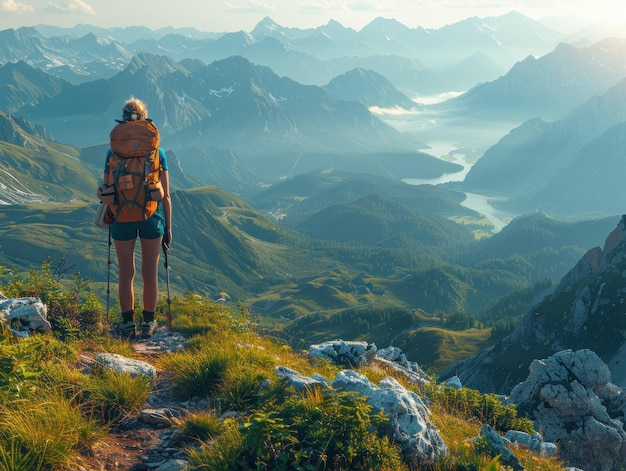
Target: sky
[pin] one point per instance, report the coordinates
(237, 15)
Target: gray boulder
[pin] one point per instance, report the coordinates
(570, 398)
(393, 354)
(161, 417)
(532, 442)
(339, 352)
(499, 446)
(396, 359)
(24, 315)
(121, 364)
(299, 381)
(416, 435)
(454, 382)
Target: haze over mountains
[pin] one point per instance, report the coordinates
(569, 166)
(548, 86)
(289, 150)
(412, 58)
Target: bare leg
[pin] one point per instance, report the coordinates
(150, 250)
(125, 250)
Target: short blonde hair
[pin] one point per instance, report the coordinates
(134, 109)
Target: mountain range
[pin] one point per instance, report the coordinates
(288, 180)
(306, 123)
(310, 56)
(224, 243)
(549, 86)
(273, 125)
(229, 104)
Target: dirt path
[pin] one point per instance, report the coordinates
(136, 444)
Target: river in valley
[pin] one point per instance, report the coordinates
(462, 145)
(474, 201)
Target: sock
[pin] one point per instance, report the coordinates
(148, 316)
(129, 316)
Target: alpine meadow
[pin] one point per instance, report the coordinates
(394, 248)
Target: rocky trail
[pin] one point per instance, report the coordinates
(147, 441)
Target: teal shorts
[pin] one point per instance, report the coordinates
(151, 228)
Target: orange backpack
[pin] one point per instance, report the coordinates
(134, 169)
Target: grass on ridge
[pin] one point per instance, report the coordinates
(270, 425)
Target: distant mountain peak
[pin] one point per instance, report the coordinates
(370, 88)
(22, 133)
(158, 65)
(267, 22)
(335, 24)
(93, 39)
(266, 26)
(385, 23)
(515, 15)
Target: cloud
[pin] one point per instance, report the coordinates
(363, 5)
(73, 6)
(322, 7)
(11, 6)
(251, 6)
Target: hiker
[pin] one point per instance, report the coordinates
(127, 181)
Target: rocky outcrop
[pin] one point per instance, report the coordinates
(396, 359)
(408, 415)
(597, 260)
(534, 443)
(299, 381)
(352, 354)
(24, 315)
(571, 399)
(121, 364)
(498, 445)
(585, 311)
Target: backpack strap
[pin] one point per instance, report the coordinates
(142, 187)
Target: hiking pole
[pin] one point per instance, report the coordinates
(167, 281)
(109, 276)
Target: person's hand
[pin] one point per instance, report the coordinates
(167, 239)
(106, 193)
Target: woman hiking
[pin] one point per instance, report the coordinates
(136, 188)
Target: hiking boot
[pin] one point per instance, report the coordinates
(126, 330)
(147, 328)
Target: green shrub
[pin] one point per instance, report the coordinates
(111, 396)
(318, 431)
(15, 457)
(200, 426)
(222, 453)
(240, 388)
(193, 315)
(487, 408)
(72, 309)
(197, 372)
(23, 360)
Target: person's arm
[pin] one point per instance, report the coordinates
(105, 178)
(167, 209)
